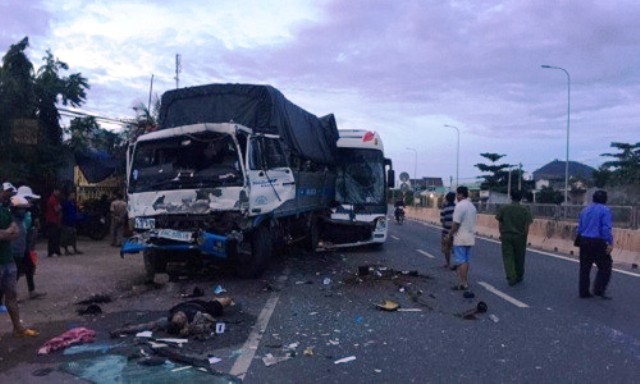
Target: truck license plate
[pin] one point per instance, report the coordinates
(172, 234)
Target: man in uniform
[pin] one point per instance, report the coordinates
(514, 221)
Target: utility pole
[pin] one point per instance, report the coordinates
(520, 177)
(150, 92)
(178, 70)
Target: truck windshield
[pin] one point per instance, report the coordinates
(360, 177)
(185, 162)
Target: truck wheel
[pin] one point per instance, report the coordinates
(154, 262)
(253, 265)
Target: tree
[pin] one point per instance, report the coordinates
(498, 177)
(29, 108)
(625, 170)
(548, 195)
(50, 87)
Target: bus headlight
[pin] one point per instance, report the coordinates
(381, 223)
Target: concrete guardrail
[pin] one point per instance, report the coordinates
(547, 235)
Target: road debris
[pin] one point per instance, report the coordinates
(95, 299)
(218, 289)
(494, 318)
(73, 336)
(388, 305)
(344, 360)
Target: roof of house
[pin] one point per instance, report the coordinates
(555, 170)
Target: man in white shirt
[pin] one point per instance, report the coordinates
(463, 234)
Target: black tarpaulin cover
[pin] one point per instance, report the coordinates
(96, 165)
(259, 107)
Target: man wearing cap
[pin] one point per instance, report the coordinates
(27, 266)
(53, 218)
(9, 231)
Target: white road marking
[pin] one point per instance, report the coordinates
(549, 254)
(395, 237)
(426, 253)
(503, 295)
(242, 364)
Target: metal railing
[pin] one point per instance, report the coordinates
(623, 216)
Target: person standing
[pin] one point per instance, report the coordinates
(596, 243)
(69, 230)
(53, 220)
(28, 267)
(513, 222)
(118, 211)
(446, 219)
(463, 235)
(9, 232)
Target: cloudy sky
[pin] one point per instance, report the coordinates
(403, 68)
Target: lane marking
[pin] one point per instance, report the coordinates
(395, 237)
(566, 258)
(503, 295)
(242, 364)
(426, 253)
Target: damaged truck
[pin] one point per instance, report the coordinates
(233, 172)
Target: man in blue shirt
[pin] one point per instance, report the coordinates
(596, 243)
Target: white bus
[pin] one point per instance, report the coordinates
(363, 178)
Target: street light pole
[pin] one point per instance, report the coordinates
(457, 154)
(566, 165)
(415, 167)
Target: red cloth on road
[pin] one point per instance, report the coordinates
(73, 336)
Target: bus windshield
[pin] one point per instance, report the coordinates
(360, 177)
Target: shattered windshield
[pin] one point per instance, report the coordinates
(186, 161)
(360, 177)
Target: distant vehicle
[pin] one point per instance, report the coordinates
(363, 176)
(234, 172)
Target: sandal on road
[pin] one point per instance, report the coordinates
(460, 287)
(26, 332)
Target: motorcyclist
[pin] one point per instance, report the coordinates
(399, 211)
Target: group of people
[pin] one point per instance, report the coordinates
(18, 232)
(594, 238)
(61, 220)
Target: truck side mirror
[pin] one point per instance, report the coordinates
(391, 178)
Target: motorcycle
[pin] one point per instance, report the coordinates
(399, 214)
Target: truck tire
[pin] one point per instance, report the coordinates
(154, 262)
(253, 265)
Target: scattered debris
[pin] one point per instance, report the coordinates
(218, 289)
(345, 360)
(42, 371)
(91, 310)
(409, 310)
(220, 327)
(326, 281)
(270, 360)
(388, 305)
(494, 318)
(197, 292)
(214, 360)
(145, 334)
(101, 347)
(481, 307)
(73, 336)
(151, 361)
(95, 299)
(183, 368)
(173, 340)
(468, 295)
(308, 351)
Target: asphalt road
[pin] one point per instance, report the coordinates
(314, 310)
(538, 331)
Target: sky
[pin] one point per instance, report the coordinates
(403, 68)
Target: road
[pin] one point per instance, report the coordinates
(538, 331)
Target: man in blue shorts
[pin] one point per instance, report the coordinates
(463, 235)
